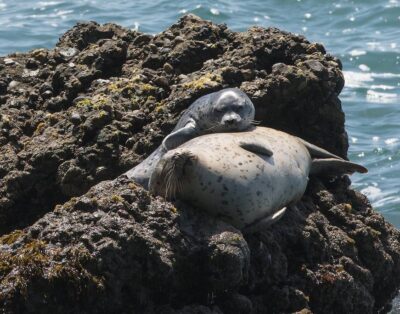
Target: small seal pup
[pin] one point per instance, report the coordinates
(235, 175)
(227, 110)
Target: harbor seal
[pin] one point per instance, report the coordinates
(227, 110)
(236, 177)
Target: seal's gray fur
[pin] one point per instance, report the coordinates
(227, 110)
(247, 178)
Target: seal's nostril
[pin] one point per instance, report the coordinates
(230, 121)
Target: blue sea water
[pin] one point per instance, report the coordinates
(365, 35)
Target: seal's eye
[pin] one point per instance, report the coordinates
(218, 109)
(238, 107)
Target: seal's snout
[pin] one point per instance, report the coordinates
(231, 119)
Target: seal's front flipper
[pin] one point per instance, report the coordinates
(333, 166)
(317, 152)
(256, 147)
(180, 136)
(263, 223)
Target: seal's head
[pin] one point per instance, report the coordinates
(230, 110)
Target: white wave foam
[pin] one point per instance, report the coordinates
(63, 12)
(373, 96)
(360, 79)
(364, 67)
(214, 11)
(357, 79)
(374, 193)
(386, 75)
(381, 86)
(47, 3)
(357, 52)
(391, 141)
(386, 200)
(392, 4)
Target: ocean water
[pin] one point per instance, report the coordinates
(365, 35)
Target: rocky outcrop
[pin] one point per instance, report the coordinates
(101, 101)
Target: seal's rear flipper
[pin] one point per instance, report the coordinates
(169, 175)
(180, 136)
(318, 152)
(264, 222)
(256, 147)
(333, 166)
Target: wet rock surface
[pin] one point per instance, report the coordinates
(98, 104)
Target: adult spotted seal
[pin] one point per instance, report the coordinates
(227, 110)
(246, 178)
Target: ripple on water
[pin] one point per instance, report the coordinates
(379, 97)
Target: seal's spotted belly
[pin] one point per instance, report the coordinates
(247, 178)
(241, 186)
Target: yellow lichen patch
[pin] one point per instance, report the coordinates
(237, 238)
(100, 100)
(160, 106)
(132, 186)
(348, 208)
(40, 127)
(339, 268)
(69, 205)
(174, 210)
(147, 87)
(374, 233)
(113, 87)
(39, 53)
(131, 86)
(84, 103)
(159, 109)
(52, 118)
(12, 237)
(117, 198)
(102, 113)
(351, 241)
(207, 80)
(5, 118)
(97, 102)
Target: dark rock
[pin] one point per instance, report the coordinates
(100, 103)
(75, 118)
